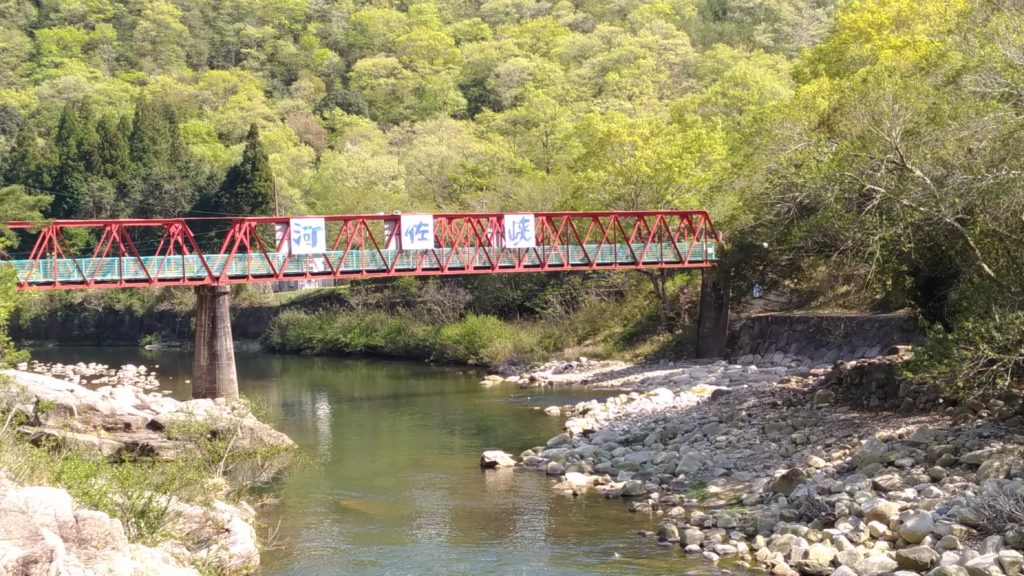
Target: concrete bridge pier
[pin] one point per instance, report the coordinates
(713, 317)
(213, 366)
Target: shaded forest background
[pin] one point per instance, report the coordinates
(859, 154)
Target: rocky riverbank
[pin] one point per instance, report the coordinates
(797, 468)
(124, 421)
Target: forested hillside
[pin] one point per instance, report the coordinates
(865, 153)
(140, 108)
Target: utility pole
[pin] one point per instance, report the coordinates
(277, 208)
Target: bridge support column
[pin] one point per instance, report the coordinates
(213, 366)
(713, 322)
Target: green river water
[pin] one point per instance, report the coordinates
(391, 482)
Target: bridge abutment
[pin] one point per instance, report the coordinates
(213, 366)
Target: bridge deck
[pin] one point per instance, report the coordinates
(78, 272)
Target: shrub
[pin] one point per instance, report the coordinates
(483, 339)
(470, 339)
(350, 332)
(981, 357)
(999, 511)
(295, 331)
(140, 494)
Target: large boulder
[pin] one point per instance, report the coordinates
(788, 481)
(949, 570)
(809, 567)
(880, 510)
(877, 563)
(997, 468)
(692, 536)
(984, 565)
(1011, 561)
(916, 526)
(496, 459)
(125, 420)
(872, 451)
(42, 533)
(689, 463)
(634, 488)
(917, 558)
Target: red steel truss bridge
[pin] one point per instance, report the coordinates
(183, 251)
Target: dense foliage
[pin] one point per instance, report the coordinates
(125, 108)
(895, 171)
(865, 153)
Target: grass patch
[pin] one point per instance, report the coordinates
(236, 462)
(140, 494)
(699, 491)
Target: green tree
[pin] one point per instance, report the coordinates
(27, 162)
(15, 56)
(248, 187)
(395, 94)
(15, 204)
(374, 31)
(160, 39)
(361, 180)
(69, 181)
(113, 150)
(642, 163)
(159, 185)
(155, 139)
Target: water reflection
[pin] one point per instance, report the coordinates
(322, 418)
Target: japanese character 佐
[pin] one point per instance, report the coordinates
(417, 232)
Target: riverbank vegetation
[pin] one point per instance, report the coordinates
(475, 339)
(483, 321)
(860, 155)
(176, 487)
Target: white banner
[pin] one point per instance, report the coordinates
(520, 231)
(417, 231)
(308, 236)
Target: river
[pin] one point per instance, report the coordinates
(389, 481)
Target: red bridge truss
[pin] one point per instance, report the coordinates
(181, 252)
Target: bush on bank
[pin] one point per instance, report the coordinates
(983, 357)
(476, 339)
(615, 316)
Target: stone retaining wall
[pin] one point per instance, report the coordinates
(824, 339)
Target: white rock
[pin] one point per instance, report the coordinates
(916, 525)
(984, 565)
(876, 564)
(496, 459)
